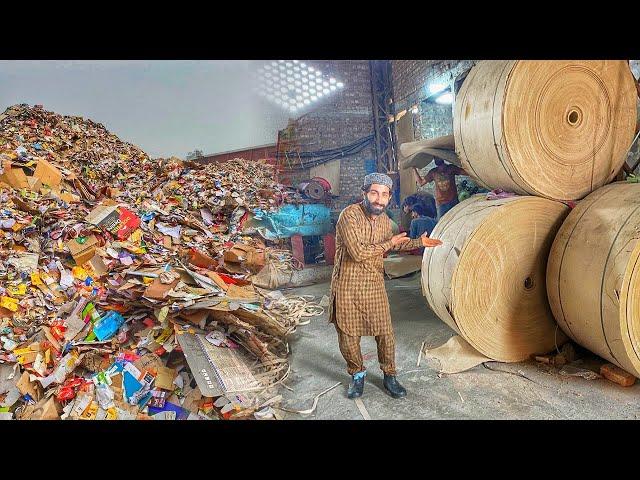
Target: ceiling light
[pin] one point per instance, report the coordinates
(437, 87)
(305, 94)
(332, 87)
(332, 80)
(303, 65)
(306, 102)
(313, 98)
(445, 98)
(340, 84)
(311, 69)
(326, 91)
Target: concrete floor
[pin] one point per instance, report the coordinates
(479, 393)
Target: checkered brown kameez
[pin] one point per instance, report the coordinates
(359, 303)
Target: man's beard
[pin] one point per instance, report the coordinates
(373, 210)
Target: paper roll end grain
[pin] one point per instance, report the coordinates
(556, 129)
(489, 284)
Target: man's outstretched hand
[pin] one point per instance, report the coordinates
(429, 242)
(400, 239)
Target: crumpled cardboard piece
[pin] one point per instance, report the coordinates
(246, 293)
(83, 252)
(195, 316)
(165, 377)
(158, 290)
(218, 280)
(149, 362)
(45, 409)
(15, 177)
(48, 174)
(202, 260)
(245, 254)
(27, 387)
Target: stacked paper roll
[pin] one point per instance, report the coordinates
(554, 129)
(593, 276)
(487, 279)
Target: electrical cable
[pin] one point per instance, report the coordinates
(323, 156)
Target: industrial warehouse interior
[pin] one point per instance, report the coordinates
(307, 239)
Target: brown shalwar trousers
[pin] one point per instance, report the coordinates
(350, 349)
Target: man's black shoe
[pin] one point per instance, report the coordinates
(393, 388)
(356, 387)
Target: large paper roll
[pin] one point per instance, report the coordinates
(593, 276)
(487, 280)
(555, 129)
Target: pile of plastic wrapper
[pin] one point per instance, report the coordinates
(125, 281)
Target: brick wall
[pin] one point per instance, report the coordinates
(411, 80)
(338, 120)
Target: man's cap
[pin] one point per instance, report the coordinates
(379, 178)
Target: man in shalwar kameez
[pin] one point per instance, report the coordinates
(359, 303)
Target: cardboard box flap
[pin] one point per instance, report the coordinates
(48, 174)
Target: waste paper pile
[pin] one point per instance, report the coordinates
(125, 281)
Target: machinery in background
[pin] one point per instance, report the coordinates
(308, 225)
(317, 189)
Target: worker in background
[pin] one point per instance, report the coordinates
(444, 177)
(359, 303)
(422, 222)
(425, 200)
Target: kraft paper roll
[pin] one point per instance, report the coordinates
(487, 280)
(555, 129)
(593, 276)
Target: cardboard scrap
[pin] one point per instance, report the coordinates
(158, 290)
(83, 252)
(45, 409)
(26, 387)
(196, 317)
(47, 173)
(246, 254)
(246, 293)
(15, 177)
(165, 377)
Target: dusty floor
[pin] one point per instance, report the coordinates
(479, 393)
